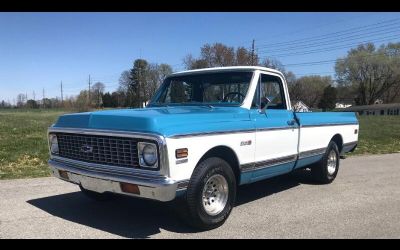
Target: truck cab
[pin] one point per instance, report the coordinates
(204, 133)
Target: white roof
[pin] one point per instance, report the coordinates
(230, 68)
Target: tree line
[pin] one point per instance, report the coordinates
(364, 76)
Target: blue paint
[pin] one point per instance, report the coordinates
(265, 173)
(181, 192)
(245, 177)
(321, 118)
(307, 161)
(167, 121)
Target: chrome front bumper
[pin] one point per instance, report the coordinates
(161, 189)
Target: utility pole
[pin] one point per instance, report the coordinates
(61, 93)
(34, 95)
(252, 53)
(89, 92)
(43, 98)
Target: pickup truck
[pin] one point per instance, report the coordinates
(204, 133)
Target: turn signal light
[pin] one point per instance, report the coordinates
(181, 153)
(129, 188)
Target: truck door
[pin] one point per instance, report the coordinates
(276, 129)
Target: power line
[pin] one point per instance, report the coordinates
(336, 40)
(61, 92)
(282, 34)
(328, 35)
(252, 53)
(332, 48)
(89, 91)
(314, 63)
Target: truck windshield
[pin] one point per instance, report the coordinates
(223, 88)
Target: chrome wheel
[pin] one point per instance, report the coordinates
(215, 194)
(332, 162)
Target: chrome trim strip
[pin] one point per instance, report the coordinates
(329, 125)
(276, 128)
(163, 151)
(146, 180)
(230, 132)
(309, 153)
(177, 136)
(267, 163)
(350, 144)
(108, 169)
(349, 147)
(162, 190)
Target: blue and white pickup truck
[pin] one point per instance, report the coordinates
(204, 133)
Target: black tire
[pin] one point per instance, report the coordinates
(96, 196)
(320, 171)
(196, 214)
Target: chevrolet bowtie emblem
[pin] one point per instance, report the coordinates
(86, 148)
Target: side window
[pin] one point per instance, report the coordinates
(271, 89)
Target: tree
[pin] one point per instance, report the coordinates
(81, 101)
(309, 89)
(97, 92)
(138, 83)
(371, 73)
(328, 100)
(108, 100)
(244, 57)
(220, 55)
(21, 98)
(276, 64)
(32, 104)
(156, 75)
(47, 103)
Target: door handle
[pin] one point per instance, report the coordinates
(291, 122)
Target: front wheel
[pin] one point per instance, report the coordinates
(325, 171)
(211, 194)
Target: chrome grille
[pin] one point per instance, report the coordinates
(106, 150)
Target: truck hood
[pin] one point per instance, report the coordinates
(166, 121)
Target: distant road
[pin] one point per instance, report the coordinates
(363, 202)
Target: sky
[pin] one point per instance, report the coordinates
(39, 50)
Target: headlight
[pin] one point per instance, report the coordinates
(148, 156)
(53, 144)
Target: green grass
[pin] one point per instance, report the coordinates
(24, 148)
(378, 135)
(23, 143)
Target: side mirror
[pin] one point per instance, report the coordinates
(264, 104)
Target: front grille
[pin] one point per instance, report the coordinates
(106, 150)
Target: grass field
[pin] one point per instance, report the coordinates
(23, 143)
(24, 150)
(379, 135)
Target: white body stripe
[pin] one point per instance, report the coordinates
(319, 137)
(199, 145)
(266, 145)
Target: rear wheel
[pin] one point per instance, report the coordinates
(325, 171)
(211, 194)
(96, 196)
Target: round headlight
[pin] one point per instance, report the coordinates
(150, 154)
(54, 144)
